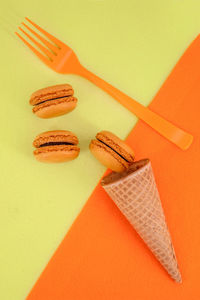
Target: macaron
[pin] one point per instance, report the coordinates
(56, 146)
(53, 101)
(111, 151)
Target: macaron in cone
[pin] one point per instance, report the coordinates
(111, 151)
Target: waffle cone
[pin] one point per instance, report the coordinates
(136, 195)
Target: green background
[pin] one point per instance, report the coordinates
(131, 44)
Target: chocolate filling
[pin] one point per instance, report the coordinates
(55, 144)
(52, 99)
(114, 151)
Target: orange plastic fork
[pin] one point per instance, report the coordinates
(62, 59)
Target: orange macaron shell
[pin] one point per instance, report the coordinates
(53, 101)
(56, 146)
(55, 108)
(116, 144)
(108, 157)
(55, 154)
(55, 136)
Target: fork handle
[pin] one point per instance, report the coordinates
(174, 134)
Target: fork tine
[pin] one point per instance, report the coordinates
(51, 37)
(49, 45)
(45, 50)
(39, 55)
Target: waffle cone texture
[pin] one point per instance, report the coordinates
(136, 195)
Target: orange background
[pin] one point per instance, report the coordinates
(102, 257)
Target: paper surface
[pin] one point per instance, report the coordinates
(129, 43)
(102, 257)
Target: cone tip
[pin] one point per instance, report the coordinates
(178, 278)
